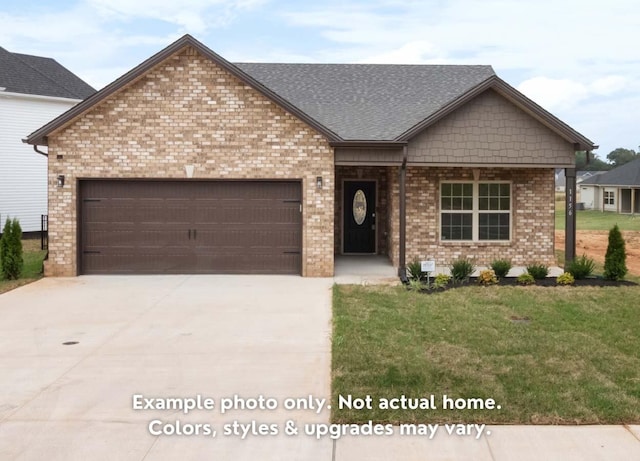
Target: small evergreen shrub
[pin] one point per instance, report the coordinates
(501, 267)
(565, 279)
(461, 269)
(538, 271)
(581, 267)
(414, 270)
(487, 277)
(615, 260)
(11, 250)
(526, 279)
(441, 281)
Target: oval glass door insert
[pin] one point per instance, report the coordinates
(359, 207)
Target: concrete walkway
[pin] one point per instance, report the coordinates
(245, 341)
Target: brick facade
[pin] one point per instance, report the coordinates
(533, 217)
(189, 111)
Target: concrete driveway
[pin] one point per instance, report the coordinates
(163, 337)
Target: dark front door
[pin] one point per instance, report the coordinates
(359, 216)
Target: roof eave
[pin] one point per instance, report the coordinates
(40, 136)
(368, 143)
(496, 83)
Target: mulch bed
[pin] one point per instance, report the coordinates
(547, 282)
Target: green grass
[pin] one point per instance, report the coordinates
(597, 220)
(32, 270)
(575, 362)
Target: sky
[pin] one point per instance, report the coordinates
(579, 59)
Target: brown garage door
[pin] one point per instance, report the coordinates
(180, 227)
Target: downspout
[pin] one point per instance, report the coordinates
(35, 147)
(402, 269)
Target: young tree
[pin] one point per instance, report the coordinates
(11, 250)
(615, 267)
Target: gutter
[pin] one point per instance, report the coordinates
(35, 147)
(402, 269)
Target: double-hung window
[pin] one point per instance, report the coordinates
(609, 198)
(475, 211)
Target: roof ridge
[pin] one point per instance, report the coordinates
(55, 82)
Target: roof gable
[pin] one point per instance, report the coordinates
(39, 137)
(35, 75)
(624, 175)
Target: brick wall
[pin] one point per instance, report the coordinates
(532, 238)
(490, 130)
(188, 111)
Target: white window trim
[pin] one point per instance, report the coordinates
(475, 223)
(609, 197)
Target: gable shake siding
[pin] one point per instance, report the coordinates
(189, 111)
(490, 130)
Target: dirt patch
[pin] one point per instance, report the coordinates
(594, 245)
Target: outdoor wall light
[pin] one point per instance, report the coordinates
(319, 182)
(60, 180)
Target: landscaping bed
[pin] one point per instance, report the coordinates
(547, 282)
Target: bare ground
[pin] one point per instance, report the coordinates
(594, 245)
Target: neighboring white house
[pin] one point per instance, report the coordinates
(33, 90)
(616, 190)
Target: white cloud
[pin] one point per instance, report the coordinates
(563, 94)
(194, 16)
(415, 52)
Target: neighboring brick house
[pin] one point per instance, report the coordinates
(191, 164)
(33, 90)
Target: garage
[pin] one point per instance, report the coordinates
(190, 227)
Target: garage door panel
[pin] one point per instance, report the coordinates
(190, 227)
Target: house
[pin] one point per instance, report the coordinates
(191, 164)
(580, 176)
(616, 190)
(33, 90)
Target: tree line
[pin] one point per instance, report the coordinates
(616, 158)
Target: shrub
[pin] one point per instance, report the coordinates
(501, 267)
(526, 279)
(538, 271)
(565, 279)
(11, 250)
(461, 269)
(414, 270)
(487, 277)
(581, 267)
(441, 281)
(615, 267)
(416, 285)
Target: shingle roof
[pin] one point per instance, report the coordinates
(26, 74)
(368, 101)
(624, 175)
(354, 104)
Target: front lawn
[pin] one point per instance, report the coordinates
(546, 355)
(32, 270)
(598, 220)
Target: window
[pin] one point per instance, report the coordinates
(609, 197)
(475, 211)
